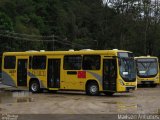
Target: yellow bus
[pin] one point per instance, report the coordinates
(93, 71)
(147, 70)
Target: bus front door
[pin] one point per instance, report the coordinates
(53, 75)
(109, 74)
(22, 72)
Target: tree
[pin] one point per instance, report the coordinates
(5, 26)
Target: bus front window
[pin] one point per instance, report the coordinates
(127, 69)
(147, 67)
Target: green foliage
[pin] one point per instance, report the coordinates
(5, 22)
(5, 25)
(126, 24)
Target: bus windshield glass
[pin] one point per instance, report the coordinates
(147, 67)
(127, 67)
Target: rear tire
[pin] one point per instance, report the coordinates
(92, 89)
(34, 86)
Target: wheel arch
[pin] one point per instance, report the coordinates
(92, 81)
(35, 79)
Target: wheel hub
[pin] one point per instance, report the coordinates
(93, 89)
(34, 86)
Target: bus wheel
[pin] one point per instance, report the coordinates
(108, 93)
(92, 89)
(34, 86)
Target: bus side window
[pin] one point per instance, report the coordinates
(91, 62)
(87, 64)
(39, 62)
(9, 62)
(30, 62)
(72, 62)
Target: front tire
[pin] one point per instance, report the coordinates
(92, 89)
(34, 87)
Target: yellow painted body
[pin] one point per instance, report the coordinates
(154, 79)
(68, 82)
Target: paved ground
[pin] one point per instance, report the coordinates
(143, 101)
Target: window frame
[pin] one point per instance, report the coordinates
(30, 62)
(64, 62)
(6, 63)
(99, 67)
(33, 61)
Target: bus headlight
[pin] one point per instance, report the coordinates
(157, 79)
(121, 82)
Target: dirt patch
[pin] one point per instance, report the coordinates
(15, 97)
(142, 101)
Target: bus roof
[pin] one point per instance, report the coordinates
(70, 52)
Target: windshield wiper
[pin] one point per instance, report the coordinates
(146, 68)
(125, 63)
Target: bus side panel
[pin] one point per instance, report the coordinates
(40, 75)
(9, 75)
(78, 80)
(95, 75)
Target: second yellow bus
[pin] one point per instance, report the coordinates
(147, 70)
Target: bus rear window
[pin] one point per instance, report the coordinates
(39, 62)
(9, 62)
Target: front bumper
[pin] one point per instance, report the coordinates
(130, 88)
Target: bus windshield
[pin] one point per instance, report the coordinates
(147, 67)
(127, 69)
